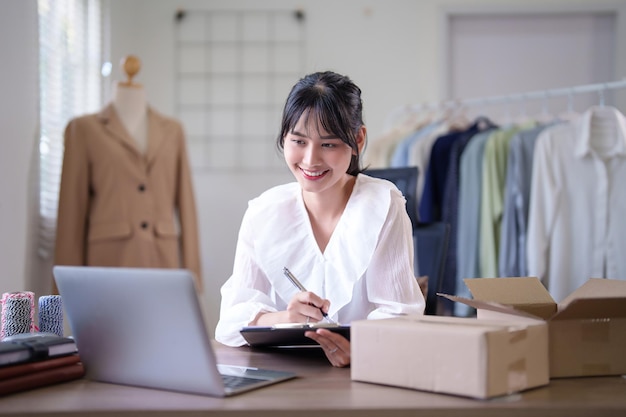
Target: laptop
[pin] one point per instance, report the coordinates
(144, 327)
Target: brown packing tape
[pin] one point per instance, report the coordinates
(517, 376)
(595, 331)
(518, 336)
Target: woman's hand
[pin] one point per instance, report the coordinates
(336, 347)
(304, 307)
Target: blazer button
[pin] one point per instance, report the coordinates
(141, 188)
(144, 225)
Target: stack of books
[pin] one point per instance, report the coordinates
(33, 360)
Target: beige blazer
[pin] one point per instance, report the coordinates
(118, 207)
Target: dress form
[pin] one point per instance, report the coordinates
(130, 104)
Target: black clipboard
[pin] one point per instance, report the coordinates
(289, 334)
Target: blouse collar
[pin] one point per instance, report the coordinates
(584, 145)
(285, 239)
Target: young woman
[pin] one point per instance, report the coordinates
(346, 236)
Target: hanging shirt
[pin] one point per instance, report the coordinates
(470, 190)
(366, 270)
(449, 211)
(492, 198)
(378, 153)
(419, 154)
(400, 157)
(512, 254)
(431, 201)
(576, 224)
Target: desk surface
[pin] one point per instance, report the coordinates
(319, 391)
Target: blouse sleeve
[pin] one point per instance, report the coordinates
(245, 293)
(391, 283)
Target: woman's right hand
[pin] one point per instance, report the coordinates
(304, 307)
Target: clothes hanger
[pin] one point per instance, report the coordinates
(522, 118)
(420, 116)
(601, 109)
(570, 114)
(603, 126)
(544, 117)
(601, 96)
(456, 115)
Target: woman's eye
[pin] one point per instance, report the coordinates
(329, 145)
(297, 141)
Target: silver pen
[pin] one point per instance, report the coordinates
(299, 286)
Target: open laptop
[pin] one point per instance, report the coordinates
(144, 327)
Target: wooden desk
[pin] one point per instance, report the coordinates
(320, 391)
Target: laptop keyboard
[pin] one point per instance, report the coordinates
(235, 382)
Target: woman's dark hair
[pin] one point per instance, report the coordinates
(333, 99)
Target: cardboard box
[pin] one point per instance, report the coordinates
(452, 355)
(587, 330)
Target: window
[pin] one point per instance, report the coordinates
(70, 56)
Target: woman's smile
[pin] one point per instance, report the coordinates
(313, 175)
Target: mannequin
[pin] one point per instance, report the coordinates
(130, 104)
(126, 196)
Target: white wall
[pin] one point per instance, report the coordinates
(393, 49)
(18, 133)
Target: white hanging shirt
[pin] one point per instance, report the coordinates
(366, 270)
(577, 212)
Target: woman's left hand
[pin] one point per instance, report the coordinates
(336, 347)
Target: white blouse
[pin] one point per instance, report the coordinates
(366, 270)
(576, 223)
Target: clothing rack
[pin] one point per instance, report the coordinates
(600, 88)
(545, 95)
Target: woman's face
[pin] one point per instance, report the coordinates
(318, 159)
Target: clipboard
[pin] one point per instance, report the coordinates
(288, 334)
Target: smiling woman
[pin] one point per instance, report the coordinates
(324, 163)
(331, 104)
(317, 158)
(346, 235)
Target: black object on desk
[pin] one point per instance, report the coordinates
(36, 346)
(288, 335)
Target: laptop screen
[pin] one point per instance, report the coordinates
(140, 326)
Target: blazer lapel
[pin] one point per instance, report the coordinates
(155, 135)
(114, 126)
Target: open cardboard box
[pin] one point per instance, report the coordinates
(451, 355)
(587, 330)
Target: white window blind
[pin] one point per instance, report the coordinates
(70, 56)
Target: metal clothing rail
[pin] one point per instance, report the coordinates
(545, 95)
(542, 94)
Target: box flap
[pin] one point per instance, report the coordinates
(470, 324)
(593, 308)
(509, 291)
(524, 293)
(597, 288)
(489, 305)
